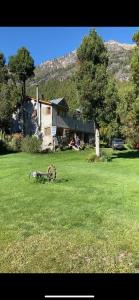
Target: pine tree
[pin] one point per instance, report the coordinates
(22, 66)
(92, 79)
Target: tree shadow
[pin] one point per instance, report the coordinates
(62, 180)
(3, 153)
(45, 180)
(128, 154)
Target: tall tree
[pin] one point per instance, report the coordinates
(129, 111)
(9, 98)
(9, 95)
(129, 104)
(110, 124)
(135, 63)
(3, 69)
(22, 65)
(92, 79)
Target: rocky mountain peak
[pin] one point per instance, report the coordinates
(111, 44)
(62, 67)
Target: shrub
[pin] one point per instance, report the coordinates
(31, 144)
(16, 142)
(92, 157)
(2, 135)
(129, 146)
(4, 148)
(48, 150)
(104, 157)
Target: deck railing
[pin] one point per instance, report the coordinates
(74, 123)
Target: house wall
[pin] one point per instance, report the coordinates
(46, 116)
(46, 124)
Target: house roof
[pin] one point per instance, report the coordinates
(28, 98)
(56, 101)
(60, 102)
(79, 109)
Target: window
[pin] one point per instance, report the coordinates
(48, 110)
(47, 131)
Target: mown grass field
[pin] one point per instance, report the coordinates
(87, 221)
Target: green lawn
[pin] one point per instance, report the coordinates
(87, 221)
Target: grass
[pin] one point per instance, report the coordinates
(86, 221)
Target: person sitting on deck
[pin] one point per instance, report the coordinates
(72, 143)
(77, 144)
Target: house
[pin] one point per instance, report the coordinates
(52, 118)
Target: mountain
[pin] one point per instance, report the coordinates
(62, 67)
(59, 68)
(119, 59)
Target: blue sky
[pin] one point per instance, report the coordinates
(46, 43)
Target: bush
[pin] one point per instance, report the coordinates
(92, 157)
(129, 146)
(104, 157)
(16, 142)
(4, 148)
(2, 135)
(31, 144)
(89, 146)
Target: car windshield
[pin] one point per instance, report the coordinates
(118, 140)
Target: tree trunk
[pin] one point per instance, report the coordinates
(22, 110)
(24, 89)
(97, 142)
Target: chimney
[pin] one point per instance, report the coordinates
(38, 104)
(37, 92)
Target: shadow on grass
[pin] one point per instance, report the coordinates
(127, 154)
(62, 180)
(7, 152)
(45, 180)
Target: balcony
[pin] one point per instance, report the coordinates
(73, 123)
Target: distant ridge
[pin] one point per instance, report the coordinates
(62, 67)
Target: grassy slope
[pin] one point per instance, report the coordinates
(87, 221)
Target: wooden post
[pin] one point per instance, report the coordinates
(75, 135)
(97, 143)
(54, 143)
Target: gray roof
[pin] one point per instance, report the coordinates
(79, 109)
(56, 101)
